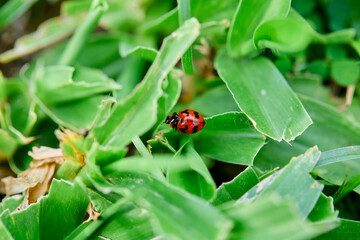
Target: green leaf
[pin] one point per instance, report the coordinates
(127, 117)
(7, 144)
(323, 210)
(86, 230)
(48, 33)
(71, 84)
(146, 53)
(12, 9)
(339, 155)
(346, 72)
(292, 181)
(198, 180)
(10, 203)
(214, 101)
(82, 33)
(99, 200)
(348, 229)
(172, 206)
(331, 129)
(344, 36)
(246, 20)
(270, 217)
(229, 137)
(185, 14)
(264, 96)
(133, 225)
(213, 10)
(337, 172)
(144, 165)
(65, 206)
(63, 114)
(237, 187)
(171, 92)
(285, 35)
(347, 187)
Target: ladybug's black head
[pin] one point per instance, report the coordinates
(167, 121)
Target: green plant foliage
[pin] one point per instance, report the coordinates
(87, 89)
(237, 137)
(234, 189)
(255, 91)
(143, 100)
(245, 22)
(66, 201)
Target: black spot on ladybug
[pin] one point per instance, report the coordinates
(195, 129)
(185, 111)
(183, 130)
(196, 114)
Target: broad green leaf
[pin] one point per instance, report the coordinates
(68, 202)
(331, 129)
(77, 42)
(348, 229)
(213, 10)
(143, 165)
(272, 218)
(4, 233)
(285, 35)
(237, 187)
(133, 225)
(63, 114)
(229, 137)
(323, 210)
(214, 101)
(172, 206)
(130, 76)
(104, 43)
(49, 32)
(339, 155)
(249, 15)
(60, 84)
(346, 72)
(311, 86)
(127, 118)
(196, 180)
(264, 96)
(292, 181)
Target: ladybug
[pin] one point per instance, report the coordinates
(186, 121)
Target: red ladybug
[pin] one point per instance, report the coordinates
(187, 121)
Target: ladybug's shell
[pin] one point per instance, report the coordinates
(190, 121)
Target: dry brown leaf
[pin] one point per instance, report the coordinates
(45, 155)
(34, 193)
(38, 177)
(25, 180)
